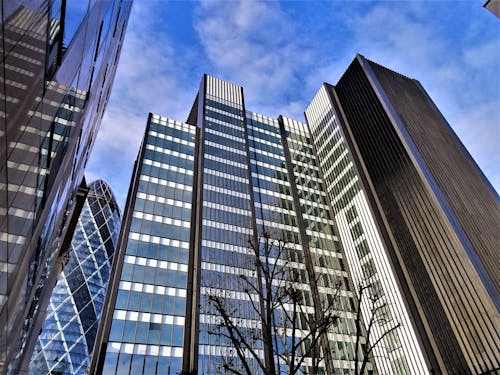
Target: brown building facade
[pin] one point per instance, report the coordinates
(437, 213)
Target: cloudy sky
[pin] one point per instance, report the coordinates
(281, 52)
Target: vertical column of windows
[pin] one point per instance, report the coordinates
(226, 224)
(275, 208)
(146, 334)
(322, 242)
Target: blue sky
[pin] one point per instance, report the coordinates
(281, 52)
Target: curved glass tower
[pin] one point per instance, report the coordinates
(68, 335)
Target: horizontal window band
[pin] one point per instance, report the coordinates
(143, 349)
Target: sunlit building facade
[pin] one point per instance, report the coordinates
(145, 317)
(67, 338)
(399, 351)
(58, 62)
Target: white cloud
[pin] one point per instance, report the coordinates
(281, 56)
(459, 70)
(153, 77)
(256, 45)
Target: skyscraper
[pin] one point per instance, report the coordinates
(58, 61)
(145, 318)
(73, 312)
(424, 216)
(201, 190)
(363, 200)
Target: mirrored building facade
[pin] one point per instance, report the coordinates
(67, 338)
(59, 59)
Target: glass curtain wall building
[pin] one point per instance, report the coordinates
(224, 179)
(74, 310)
(59, 59)
(417, 218)
(144, 317)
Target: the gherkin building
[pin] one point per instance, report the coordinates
(68, 335)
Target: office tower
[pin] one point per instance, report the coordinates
(68, 334)
(145, 318)
(58, 65)
(413, 211)
(200, 192)
(361, 197)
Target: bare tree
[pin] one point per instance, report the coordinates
(378, 316)
(287, 331)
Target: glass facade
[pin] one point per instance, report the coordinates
(68, 334)
(350, 194)
(57, 71)
(226, 225)
(327, 259)
(193, 210)
(148, 317)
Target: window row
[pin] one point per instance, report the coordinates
(224, 107)
(146, 333)
(226, 199)
(132, 364)
(225, 168)
(157, 251)
(232, 130)
(276, 216)
(162, 157)
(219, 116)
(274, 149)
(151, 303)
(173, 132)
(259, 124)
(153, 275)
(168, 144)
(227, 257)
(267, 159)
(164, 191)
(226, 236)
(166, 174)
(226, 182)
(279, 174)
(154, 228)
(271, 200)
(305, 170)
(225, 154)
(226, 217)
